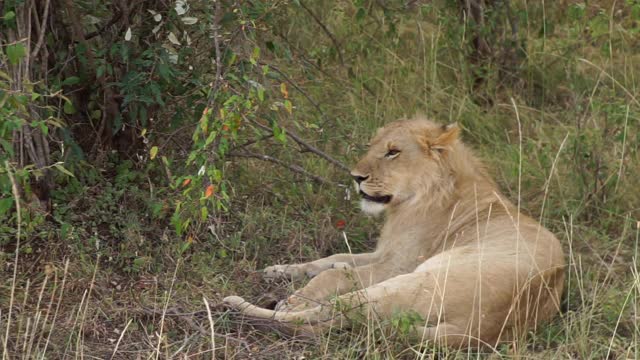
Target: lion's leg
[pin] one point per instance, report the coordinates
(384, 299)
(315, 318)
(336, 282)
(313, 268)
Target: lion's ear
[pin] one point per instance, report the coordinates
(448, 137)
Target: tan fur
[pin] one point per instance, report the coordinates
(452, 249)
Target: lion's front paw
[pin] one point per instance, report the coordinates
(292, 272)
(235, 302)
(295, 303)
(341, 266)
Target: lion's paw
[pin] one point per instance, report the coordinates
(282, 305)
(233, 301)
(341, 266)
(295, 303)
(275, 272)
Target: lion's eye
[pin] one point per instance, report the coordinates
(392, 153)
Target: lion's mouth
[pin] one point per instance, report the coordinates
(378, 199)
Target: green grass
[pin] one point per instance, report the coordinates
(109, 274)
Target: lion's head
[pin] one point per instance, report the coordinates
(405, 162)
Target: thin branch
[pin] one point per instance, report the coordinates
(251, 142)
(77, 32)
(294, 168)
(216, 45)
(116, 17)
(304, 144)
(326, 31)
(301, 53)
(43, 26)
(304, 93)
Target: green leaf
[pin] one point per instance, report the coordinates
(139, 262)
(576, 11)
(71, 80)
(65, 230)
(165, 72)
(16, 52)
(210, 138)
(256, 53)
(288, 106)
(63, 170)
(599, 25)
(22, 99)
(9, 16)
(635, 12)
(68, 108)
(192, 156)
(153, 152)
(96, 114)
(216, 175)
(7, 146)
(279, 134)
(270, 45)
(100, 71)
(5, 76)
(185, 246)
(5, 205)
(175, 221)
(43, 128)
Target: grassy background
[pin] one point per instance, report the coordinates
(559, 133)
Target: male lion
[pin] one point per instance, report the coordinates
(452, 249)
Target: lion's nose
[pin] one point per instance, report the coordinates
(359, 178)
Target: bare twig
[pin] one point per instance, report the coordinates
(301, 53)
(77, 33)
(294, 168)
(306, 145)
(29, 141)
(116, 17)
(251, 142)
(43, 26)
(216, 45)
(304, 93)
(326, 31)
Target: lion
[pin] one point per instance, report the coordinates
(452, 249)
